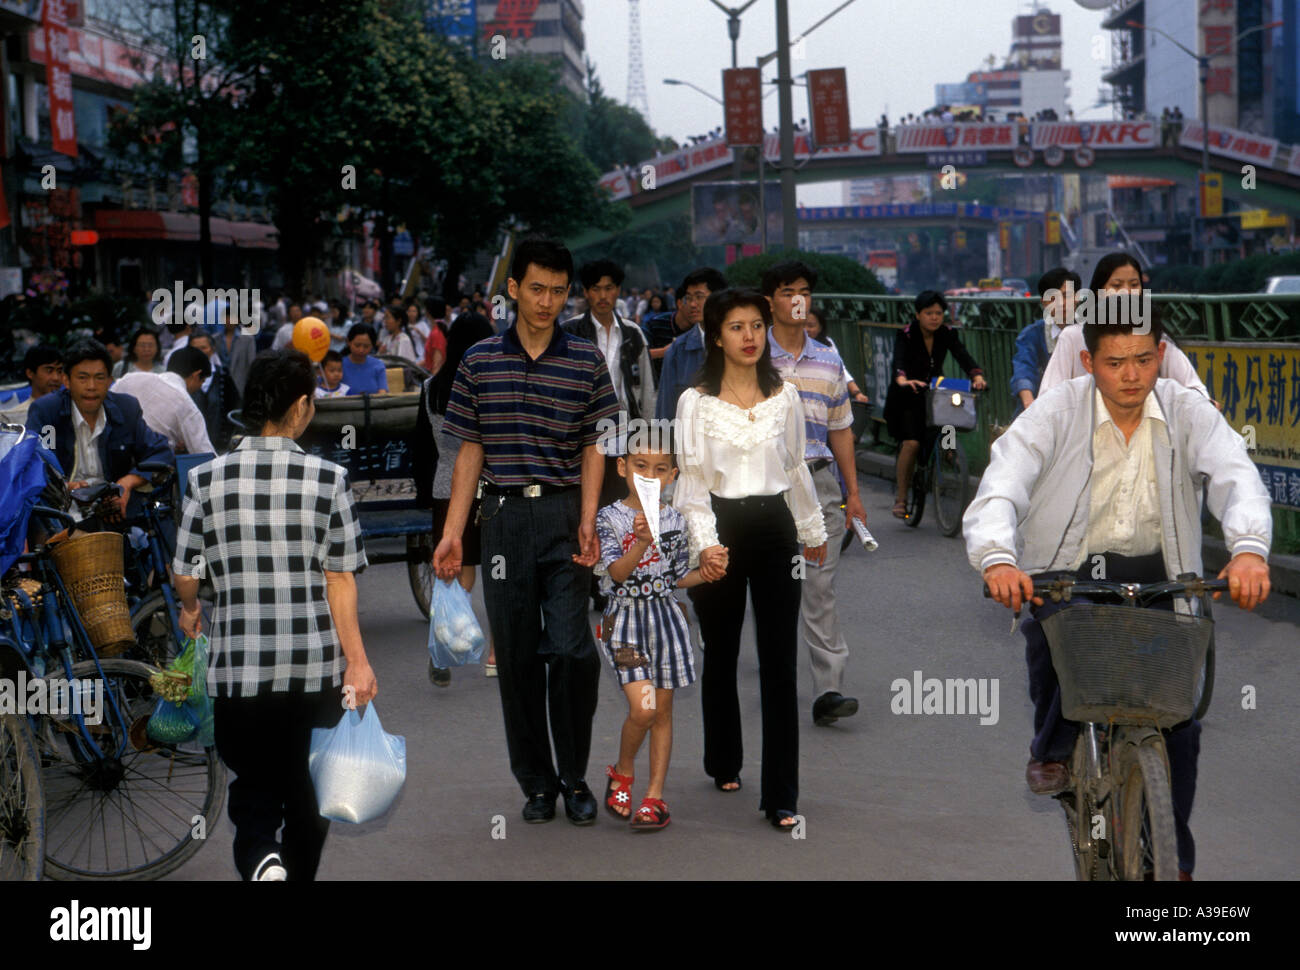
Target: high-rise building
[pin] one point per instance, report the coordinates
(1252, 83)
(551, 28)
(1030, 79)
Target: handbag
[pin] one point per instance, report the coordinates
(950, 402)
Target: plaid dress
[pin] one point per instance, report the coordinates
(644, 632)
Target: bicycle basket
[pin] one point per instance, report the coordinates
(1125, 664)
(950, 407)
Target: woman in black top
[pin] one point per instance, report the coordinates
(919, 353)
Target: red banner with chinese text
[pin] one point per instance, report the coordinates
(828, 107)
(58, 78)
(742, 92)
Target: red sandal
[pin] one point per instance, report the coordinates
(653, 814)
(616, 797)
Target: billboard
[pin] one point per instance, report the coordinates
(454, 19)
(828, 106)
(937, 138)
(1095, 134)
(1230, 142)
(742, 92)
(728, 214)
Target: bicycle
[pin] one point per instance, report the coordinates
(115, 804)
(943, 472)
(1126, 674)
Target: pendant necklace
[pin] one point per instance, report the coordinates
(750, 411)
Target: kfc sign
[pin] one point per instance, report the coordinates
(956, 137)
(1095, 134)
(1232, 143)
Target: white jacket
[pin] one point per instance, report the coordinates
(1033, 502)
(1065, 363)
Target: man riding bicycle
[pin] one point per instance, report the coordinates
(1102, 479)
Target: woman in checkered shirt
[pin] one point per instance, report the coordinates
(276, 531)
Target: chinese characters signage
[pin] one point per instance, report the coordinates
(1259, 388)
(514, 19)
(58, 78)
(742, 91)
(828, 106)
(453, 19)
(956, 137)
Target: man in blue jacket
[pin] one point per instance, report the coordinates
(97, 436)
(1035, 343)
(685, 355)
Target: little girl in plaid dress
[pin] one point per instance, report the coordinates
(644, 632)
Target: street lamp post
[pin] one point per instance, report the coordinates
(688, 84)
(1203, 70)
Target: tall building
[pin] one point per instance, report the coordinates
(1030, 79)
(551, 28)
(1252, 83)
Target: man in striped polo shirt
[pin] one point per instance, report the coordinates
(817, 371)
(527, 404)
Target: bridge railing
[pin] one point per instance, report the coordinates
(864, 328)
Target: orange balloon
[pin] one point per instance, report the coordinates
(312, 337)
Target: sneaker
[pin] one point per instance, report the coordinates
(439, 676)
(270, 869)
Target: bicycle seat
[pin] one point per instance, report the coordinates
(91, 494)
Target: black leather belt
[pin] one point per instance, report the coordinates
(535, 490)
(819, 464)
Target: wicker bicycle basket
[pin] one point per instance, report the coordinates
(91, 568)
(1128, 665)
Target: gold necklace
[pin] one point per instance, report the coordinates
(750, 411)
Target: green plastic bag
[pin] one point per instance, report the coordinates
(184, 709)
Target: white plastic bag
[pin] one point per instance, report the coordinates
(455, 638)
(356, 768)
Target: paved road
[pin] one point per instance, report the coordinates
(886, 796)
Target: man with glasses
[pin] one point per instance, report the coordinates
(685, 355)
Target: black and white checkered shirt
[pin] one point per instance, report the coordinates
(268, 520)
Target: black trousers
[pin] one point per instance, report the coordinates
(546, 656)
(265, 740)
(761, 541)
(1054, 736)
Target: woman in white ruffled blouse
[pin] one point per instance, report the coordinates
(750, 505)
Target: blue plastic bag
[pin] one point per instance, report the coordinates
(356, 768)
(172, 723)
(455, 638)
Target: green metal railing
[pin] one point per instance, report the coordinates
(864, 329)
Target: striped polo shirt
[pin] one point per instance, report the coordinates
(532, 417)
(818, 372)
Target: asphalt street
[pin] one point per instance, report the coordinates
(884, 795)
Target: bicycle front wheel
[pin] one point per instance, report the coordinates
(1145, 815)
(950, 485)
(140, 809)
(916, 495)
(419, 570)
(22, 804)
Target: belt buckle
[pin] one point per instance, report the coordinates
(532, 491)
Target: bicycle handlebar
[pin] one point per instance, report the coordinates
(1063, 589)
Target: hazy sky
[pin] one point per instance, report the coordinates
(895, 51)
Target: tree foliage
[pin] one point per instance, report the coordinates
(836, 274)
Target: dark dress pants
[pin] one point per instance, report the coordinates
(761, 541)
(546, 656)
(1054, 736)
(264, 740)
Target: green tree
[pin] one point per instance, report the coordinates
(836, 274)
(613, 134)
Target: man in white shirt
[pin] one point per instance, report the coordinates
(1106, 472)
(284, 336)
(44, 369)
(166, 400)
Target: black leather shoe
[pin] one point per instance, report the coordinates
(832, 706)
(579, 803)
(540, 808)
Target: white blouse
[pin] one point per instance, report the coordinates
(720, 451)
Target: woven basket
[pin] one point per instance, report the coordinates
(91, 568)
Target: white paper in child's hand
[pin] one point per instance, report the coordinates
(647, 490)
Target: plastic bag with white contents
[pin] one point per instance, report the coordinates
(455, 638)
(356, 768)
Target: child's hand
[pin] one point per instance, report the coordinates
(713, 563)
(641, 528)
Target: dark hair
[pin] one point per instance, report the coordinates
(40, 355)
(591, 273)
(470, 327)
(716, 308)
(437, 307)
(707, 275)
(1107, 265)
(816, 311)
(187, 360)
(660, 435)
(276, 379)
(86, 349)
(357, 329)
(784, 273)
(134, 339)
(331, 357)
(928, 298)
(546, 253)
(1056, 278)
(1110, 312)
(653, 297)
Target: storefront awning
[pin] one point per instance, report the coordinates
(181, 227)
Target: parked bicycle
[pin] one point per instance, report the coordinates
(1127, 672)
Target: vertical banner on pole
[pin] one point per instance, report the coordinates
(58, 78)
(1211, 195)
(743, 100)
(828, 107)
